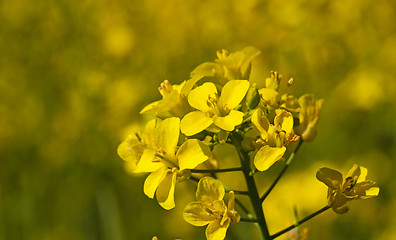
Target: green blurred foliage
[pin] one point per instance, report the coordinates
(74, 75)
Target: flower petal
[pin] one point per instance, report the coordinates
(269, 96)
(261, 123)
(150, 108)
(198, 97)
(167, 135)
(267, 156)
(153, 180)
(332, 178)
(195, 213)
(130, 150)
(284, 119)
(147, 162)
(149, 134)
(366, 189)
(191, 153)
(166, 191)
(195, 122)
(209, 190)
(229, 122)
(363, 174)
(215, 231)
(354, 173)
(232, 94)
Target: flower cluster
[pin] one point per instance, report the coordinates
(220, 104)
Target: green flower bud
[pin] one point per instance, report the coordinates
(253, 97)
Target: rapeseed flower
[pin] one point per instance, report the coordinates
(228, 66)
(213, 109)
(274, 138)
(158, 153)
(309, 116)
(173, 103)
(210, 209)
(354, 186)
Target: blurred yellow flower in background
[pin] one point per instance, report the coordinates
(354, 186)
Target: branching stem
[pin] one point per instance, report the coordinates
(300, 222)
(251, 184)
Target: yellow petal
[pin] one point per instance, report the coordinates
(209, 190)
(195, 213)
(284, 119)
(195, 122)
(366, 189)
(153, 180)
(168, 101)
(267, 156)
(332, 178)
(166, 191)
(191, 153)
(229, 122)
(269, 96)
(147, 163)
(215, 231)
(261, 123)
(207, 69)
(371, 192)
(363, 174)
(354, 173)
(149, 134)
(167, 135)
(150, 108)
(185, 90)
(232, 94)
(130, 150)
(198, 97)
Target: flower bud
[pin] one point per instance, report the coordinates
(253, 97)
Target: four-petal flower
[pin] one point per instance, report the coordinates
(211, 209)
(354, 186)
(161, 156)
(214, 109)
(274, 138)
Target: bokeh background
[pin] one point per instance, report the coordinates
(75, 74)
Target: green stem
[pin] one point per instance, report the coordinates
(289, 160)
(251, 184)
(300, 222)
(216, 170)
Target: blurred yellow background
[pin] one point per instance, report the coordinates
(75, 74)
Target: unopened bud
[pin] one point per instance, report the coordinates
(253, 97)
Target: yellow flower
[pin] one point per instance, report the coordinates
(159, 154)
(214, 109)
(227, 67)
(308, 116)
(211, 209)
(274, 137)
(354, 186)
(173, 103)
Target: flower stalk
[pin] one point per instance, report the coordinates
(300, 222)
(251, 184)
